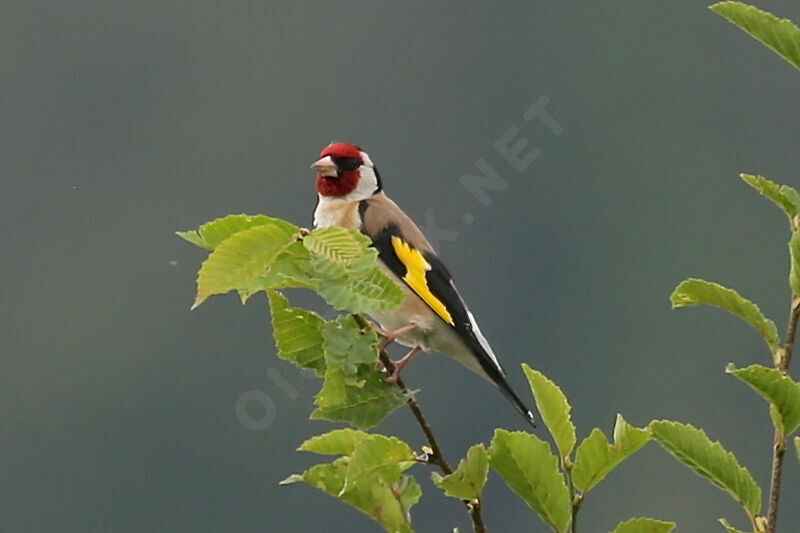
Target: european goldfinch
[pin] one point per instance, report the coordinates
(433, 314)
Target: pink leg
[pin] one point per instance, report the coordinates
(390, 336)
(382, 332)
(399, 365)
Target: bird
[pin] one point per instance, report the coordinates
(433, 315)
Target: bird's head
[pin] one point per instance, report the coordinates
(346, 171)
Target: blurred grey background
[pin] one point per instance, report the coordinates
(124, 121)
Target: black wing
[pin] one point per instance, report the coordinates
(440, 294)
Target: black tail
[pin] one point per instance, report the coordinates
(492, 370)
(509, 393)
(498, 377)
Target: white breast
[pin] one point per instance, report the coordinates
(336, 212)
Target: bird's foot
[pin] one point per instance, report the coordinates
(397, 366)
(390, 336)
(379, 330)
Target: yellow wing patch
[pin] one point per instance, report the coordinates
(416, 267)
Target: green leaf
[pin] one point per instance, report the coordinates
(336, 442)
(794, 269)
(783, 196)
(191, 236)
(406, 492)
(596, 457)
(728, 527)
(334, 389)
(347, 349)
(338, 264)
(363, 406)
(781, 391)
(373, 292)
(781, 35)
(368, 476)
(530, 468)
(693, 448)
(467, 481)
(238, 261)
(320, 268)
(644, 525)
(797, 447)
(337, 245)
(328, 478)
(377, 456)
(554, 409)
(297, 333)
(391, 505)
(347, 272)
(211, 234)
(291, 268)
(386, 503)
(697, 291)
(346, 345)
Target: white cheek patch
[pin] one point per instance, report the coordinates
(366, 159)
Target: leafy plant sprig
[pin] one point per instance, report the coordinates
(370, 472)
(690, 445)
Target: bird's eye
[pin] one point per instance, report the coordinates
(347, 163)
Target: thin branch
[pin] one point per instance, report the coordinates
(576, 498)
(786, 360)
(436, 457)
(779, 447)
(575, 503)
(474, 510)
(775, 487)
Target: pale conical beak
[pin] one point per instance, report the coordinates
(326, 167)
